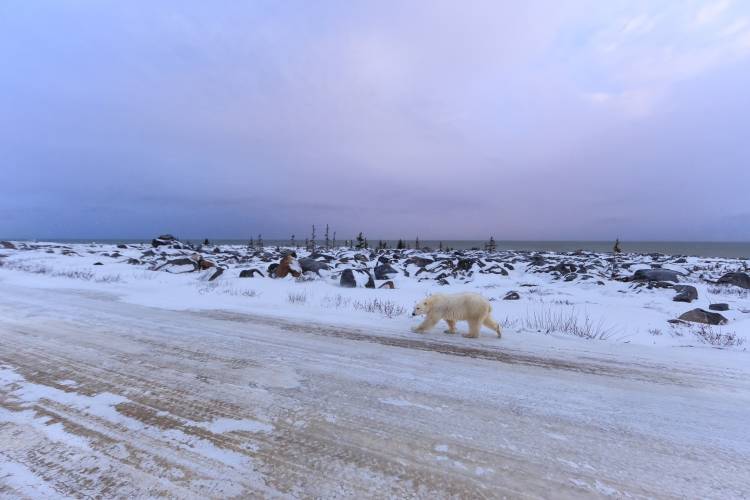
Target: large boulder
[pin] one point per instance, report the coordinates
(287, 266)
(370, 282)
(347, 279)
(383, 271)
(741, 280)
(564, 268)
(249, 273)
(178, 266)
(206, 264)
(685, 293)
(720, 306)
(8, 245)
(465, 264)
(656, 275)
(164, 239)
(218, 272)
(703, 316)
(419, 261)
(312, 265)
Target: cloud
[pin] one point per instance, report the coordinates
(711, 12)
(228, 119)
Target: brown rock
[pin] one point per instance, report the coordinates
(388, 284)
(206, 264)
(288, 265)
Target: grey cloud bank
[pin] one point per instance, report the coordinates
(553, 120)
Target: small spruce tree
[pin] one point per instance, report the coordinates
(361, 241)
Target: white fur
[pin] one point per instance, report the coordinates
(470, 307)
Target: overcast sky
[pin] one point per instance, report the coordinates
(524, 120)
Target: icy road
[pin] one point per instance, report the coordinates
(100, 398)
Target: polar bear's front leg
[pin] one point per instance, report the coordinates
(451, 326)
(428, 323)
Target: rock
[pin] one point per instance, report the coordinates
(347, 279)
(656, 275)
(659, 284)
(741, 280)
(250, 273)
(719, 307)
(311, 265)
(465, 264)
(705, 317)
(8, 245)
(370, 282)
(98, 264)
(178, 266)
(443, 281)
(219, 271)
(419, 261)
(570, 277)
(383, 270)
(537, 260)
(288, 265)
(685, 293)
(133, 261)
(563, 268)
(205, 264)
(122, 246)
(164, 239)
(495, 270)
(388, 284)
(512, 295)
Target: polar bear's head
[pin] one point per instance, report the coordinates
(422, 307)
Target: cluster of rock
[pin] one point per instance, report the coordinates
(379, 268)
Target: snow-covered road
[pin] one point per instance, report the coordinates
(103, 398)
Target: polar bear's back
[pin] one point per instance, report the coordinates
(460, 306)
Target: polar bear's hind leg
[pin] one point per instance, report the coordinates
(490, 323)
(474, 326)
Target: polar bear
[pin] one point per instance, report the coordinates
(470, 307)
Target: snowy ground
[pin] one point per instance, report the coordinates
(118, 381)
(591, 306)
